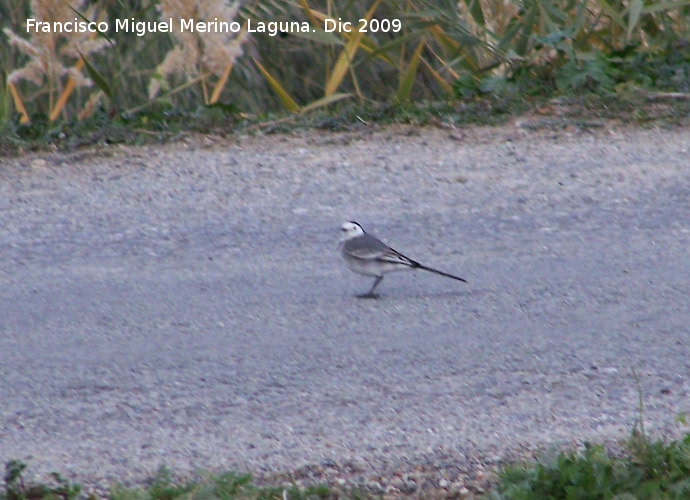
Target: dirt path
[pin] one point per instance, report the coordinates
(186, 305)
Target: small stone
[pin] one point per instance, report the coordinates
(411, 485)
(398, 484)
(443, 483)
(38, 163)
(390, 490)
(456, 488)
(374, 486)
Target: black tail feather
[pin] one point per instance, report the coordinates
(436, 271)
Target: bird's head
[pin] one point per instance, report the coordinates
(350, 230)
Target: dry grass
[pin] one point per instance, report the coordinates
(54, 59)
(446, 50)
(199, 56)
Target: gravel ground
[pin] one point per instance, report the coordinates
(186, 305)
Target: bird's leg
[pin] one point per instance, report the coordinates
(370, 294)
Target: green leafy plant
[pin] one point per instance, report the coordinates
(230, 485)
(655, 470)
(646, 469)
(16, 488)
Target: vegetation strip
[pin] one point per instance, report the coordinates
(645, 469)
(493, 59)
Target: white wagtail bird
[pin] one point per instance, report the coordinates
(369, 256)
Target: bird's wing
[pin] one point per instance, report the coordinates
(365, 247)
(396, 257)
(368, 247)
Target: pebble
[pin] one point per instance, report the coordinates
(374, 486)
(411, 485)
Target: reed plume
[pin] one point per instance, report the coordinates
(197, 56)
(52, 55)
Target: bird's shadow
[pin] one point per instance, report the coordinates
(416, 296)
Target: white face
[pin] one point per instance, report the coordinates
(350, 230)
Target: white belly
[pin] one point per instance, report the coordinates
(373, 267)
